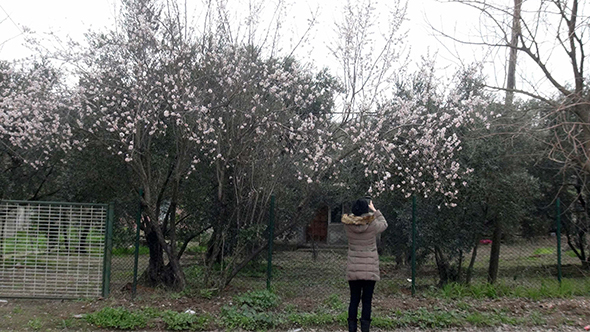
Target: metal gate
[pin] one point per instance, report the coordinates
(54, 250)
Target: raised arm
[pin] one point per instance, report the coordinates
(380, 222)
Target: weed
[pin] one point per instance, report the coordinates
(463, 306)
(117, 318)
(178, 321)
(252, 311)
(150, 312)
(67, 323)
(35, 324)
(208, 293)
(290, 308)
(334, 302)
(248, 318)
(385, 323)
(311, 319)
(176, 295)
(258, 300)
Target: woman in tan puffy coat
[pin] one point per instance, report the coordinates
(362, 268)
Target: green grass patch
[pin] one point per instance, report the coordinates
(544, 251)
(35, 324)
(334, 302)
(127, 251)
(442, 318)
(311, 319)
(549, 288)
(199, 249)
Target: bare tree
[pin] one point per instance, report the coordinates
(552, 37)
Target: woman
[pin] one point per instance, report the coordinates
(362, 268)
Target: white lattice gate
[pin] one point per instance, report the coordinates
(54, 250)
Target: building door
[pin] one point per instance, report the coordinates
(317, 230)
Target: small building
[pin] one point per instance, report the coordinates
(326, 227)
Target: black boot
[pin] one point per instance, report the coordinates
(365, 325)
(352, 323)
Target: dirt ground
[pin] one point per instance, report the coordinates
(61, 315)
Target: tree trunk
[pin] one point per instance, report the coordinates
(472, 262)
(159, 273)
(442, 266)
(510, 85)
(495, 252)
(511, 78)
(156, 262)
(459, 267)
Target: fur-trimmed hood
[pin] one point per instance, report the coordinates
(351, 219)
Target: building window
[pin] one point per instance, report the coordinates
(336, 214)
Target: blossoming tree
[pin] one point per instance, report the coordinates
(169, 100)
(35, 126)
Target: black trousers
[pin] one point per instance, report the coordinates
(360, 289)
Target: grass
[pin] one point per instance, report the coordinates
(455, 306)
(119, 318)
(257, 311)
(444, 318)
(549, 289)
(126, 251)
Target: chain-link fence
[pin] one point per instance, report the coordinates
(124, 243)
(319, 269)
(312, 260)
(314, 263)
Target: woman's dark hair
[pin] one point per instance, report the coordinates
(360, 207)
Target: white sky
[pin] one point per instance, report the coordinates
(74, 17)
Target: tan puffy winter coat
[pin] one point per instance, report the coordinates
(363, 260)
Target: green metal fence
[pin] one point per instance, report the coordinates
(308, 265)
(319, 267)
(54, 249)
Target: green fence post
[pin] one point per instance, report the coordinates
(271, 226)
(558, 235)
(108, 247)
(413, 245)
(136, 257)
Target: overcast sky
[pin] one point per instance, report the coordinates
(74, 17)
